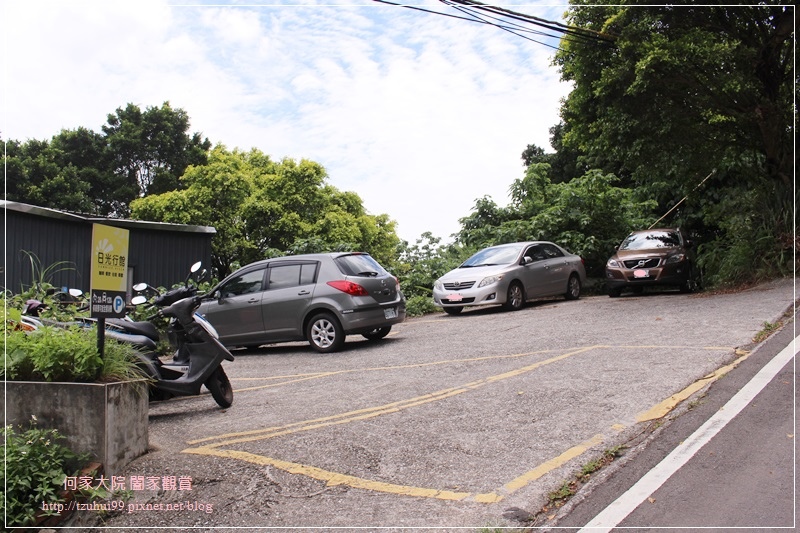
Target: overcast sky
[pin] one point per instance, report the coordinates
(418, 113)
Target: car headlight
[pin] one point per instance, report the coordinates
(613, 263)
(438, 285)
(489, 280)
(677, 258)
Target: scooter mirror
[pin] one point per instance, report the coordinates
(140, 286)
(75, 293)
(196, 266)
(138, 300)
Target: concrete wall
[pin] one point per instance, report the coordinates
(107, 420)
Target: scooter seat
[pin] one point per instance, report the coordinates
(140, 341)
(148, 329)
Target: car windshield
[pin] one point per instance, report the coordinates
(499, 255)
(650, 240)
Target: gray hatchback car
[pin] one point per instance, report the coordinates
(319, 298)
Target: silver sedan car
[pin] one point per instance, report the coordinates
(510, 275)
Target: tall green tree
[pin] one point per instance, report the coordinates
(151, 149)
(138, 153)
(38, 173)
(85, 152)
(262, 208)
(588, 215)
(680, 91)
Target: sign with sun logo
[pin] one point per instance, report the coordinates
(109, 271)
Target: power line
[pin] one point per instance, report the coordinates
(513, 22)
(538, 21)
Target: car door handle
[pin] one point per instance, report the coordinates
(253, 301)
(303, 293)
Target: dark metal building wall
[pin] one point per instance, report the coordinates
(158, 257)
(61, 246)
(163, 258)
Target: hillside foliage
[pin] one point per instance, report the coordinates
(680, 115)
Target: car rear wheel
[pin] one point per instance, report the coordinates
(453, 310)
(515, 298)
(324, 333)
(377, 333)
(573, 288)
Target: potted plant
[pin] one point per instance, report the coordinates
(98, 404)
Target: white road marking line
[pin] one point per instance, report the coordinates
(619, 509)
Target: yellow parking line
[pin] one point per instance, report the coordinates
(343, 418)
(304, 377)
(213, 445)
(331, 478)
(362, 414)
(335, 478)
(547, 466)
(288, 381)
(661, 409)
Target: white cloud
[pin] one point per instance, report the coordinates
(419, 114)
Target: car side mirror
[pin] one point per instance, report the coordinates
(527, 260)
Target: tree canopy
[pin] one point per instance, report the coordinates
(263, 208)
(684, 91)
(138, 153)
(150, 149)
(681, 114)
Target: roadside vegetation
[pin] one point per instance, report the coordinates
(568, 488)
(37, 462)
(678, 116)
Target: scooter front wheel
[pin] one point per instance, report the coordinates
(220, 387)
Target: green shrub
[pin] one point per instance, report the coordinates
(37, 464)
(420, 305)
(755, 237)
(55, 354)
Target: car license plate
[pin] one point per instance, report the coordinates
(390, 312)
(641, 273)
(455, 297)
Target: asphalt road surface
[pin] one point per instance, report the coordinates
(452, 422)
(728, 463)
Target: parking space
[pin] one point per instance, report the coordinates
(450, 421)
(260, 446)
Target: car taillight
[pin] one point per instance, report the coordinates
(353, 289)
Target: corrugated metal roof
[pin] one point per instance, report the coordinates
(118, 222)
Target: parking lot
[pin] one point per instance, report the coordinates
(449, 421)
